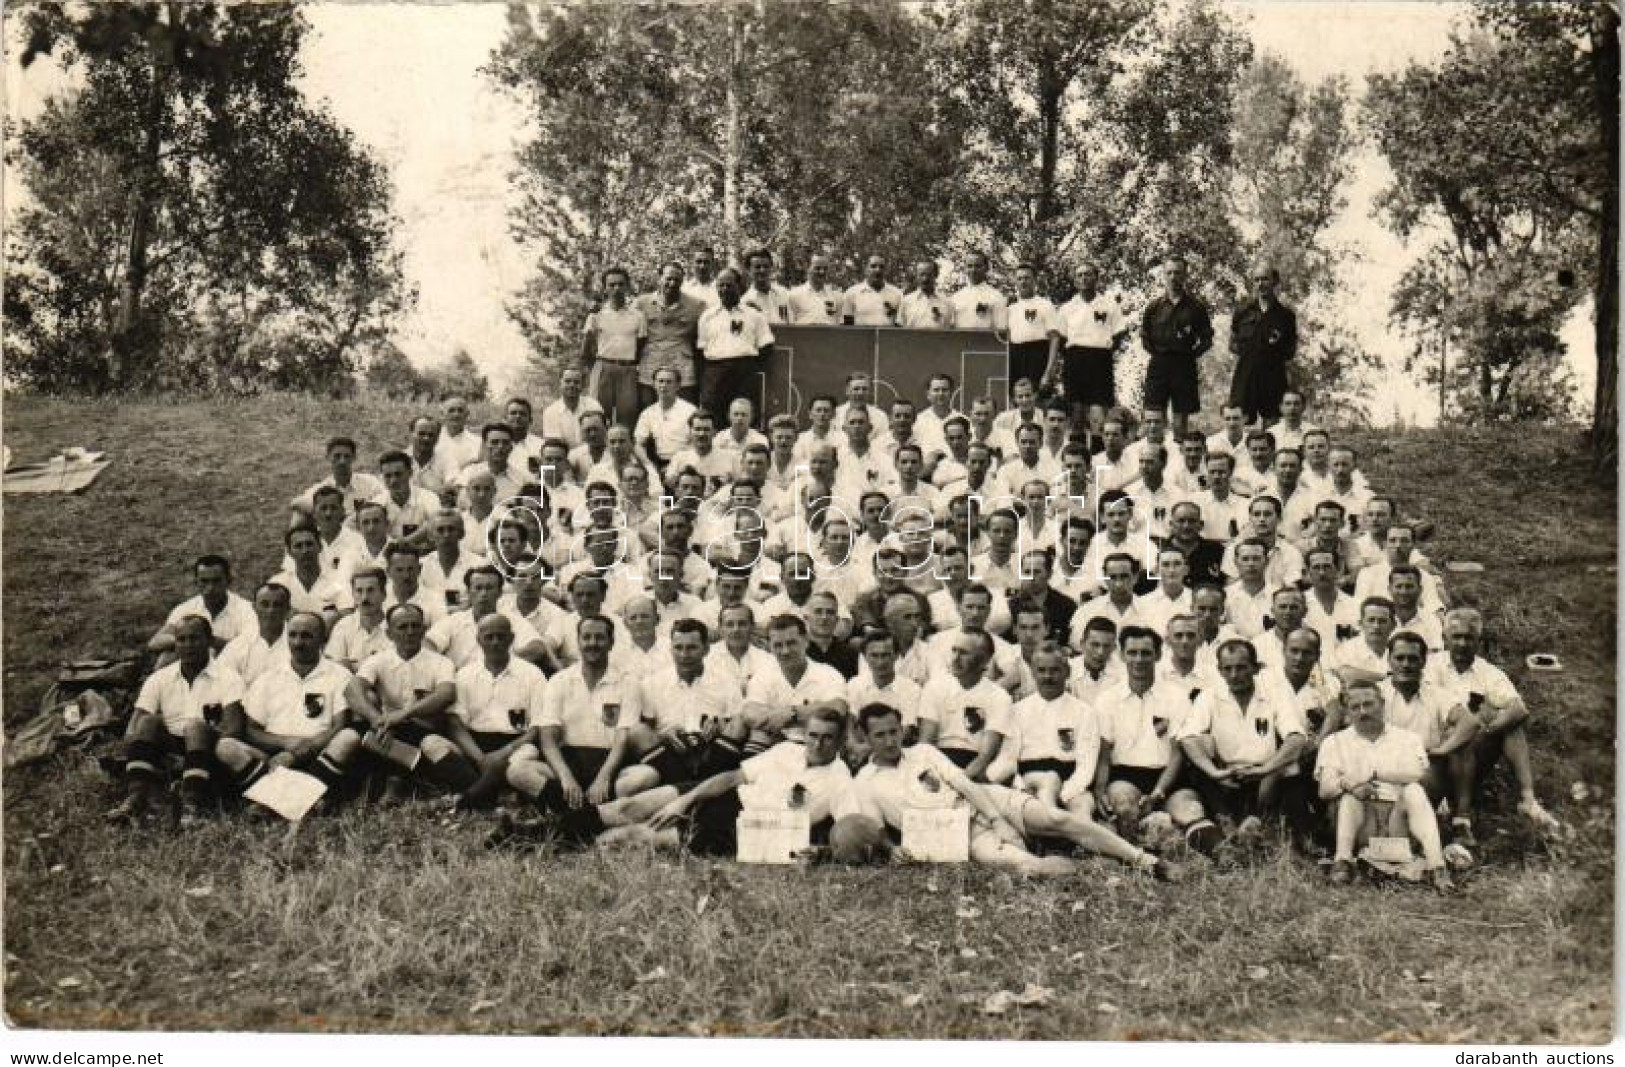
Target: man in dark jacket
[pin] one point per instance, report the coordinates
(1263, 336)
(1177, 332)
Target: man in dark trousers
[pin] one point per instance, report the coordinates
(1177, 332)
(1263, 336)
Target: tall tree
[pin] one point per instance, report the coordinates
(182, 191)
(1525, 191)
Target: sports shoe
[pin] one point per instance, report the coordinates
(1342, 873)
(1457, 856)
(1461, 833)
(1171, 873)
(1440, 879)
(130, 809)
(1251, 828)
(1204, 838)
(1543, 820)
(191, 813)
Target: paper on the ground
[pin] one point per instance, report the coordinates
(772, 836)
(60, 474)
(937, 835)
(291, 794)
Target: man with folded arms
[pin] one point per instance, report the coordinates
(1370, 766)
(690, 728)
(402, 693)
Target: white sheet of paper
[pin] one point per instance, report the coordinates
(291, 794)
(772, 836)
(937, 835)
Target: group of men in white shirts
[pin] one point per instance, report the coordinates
(1110, 642)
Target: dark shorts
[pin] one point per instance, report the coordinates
(585, 763)
(1089, 375)
(490, 742)
(1028, 360)
(697, 764)
(1172, 379)
(960, 757)
(1046, 766)
(1144, 779)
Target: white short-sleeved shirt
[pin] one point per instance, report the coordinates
(1104, 607)
(1483, 679)
(1222, 520)
(167, 694)
(1087, 685)
(668, 427)
(432, 602)
(964, 716)
(770, 782)
(867, 306)
(1157, 607)
(509, 702)
(705, 292)
(1355, 653)
(1032, 319)
(1283, 564)
(819, 684)
(457, 635)
(564, 423)
(738, 672)
(362, 488)
(399, 683)
(917, 781)
(667, 701)
(1091, 323)
(980, 307)
(1341, 623)
(618, 332)
(419, 510)
(1063, 729)
(815, 307)
(351, 641)
(281, 702)
(237, 617)
(335, 554)
(1397, 755)
(589, 716)
(458, 450)
(733, 334)
(1142, 727)
(327, 593)
(247, 655)
(922, 312)
(774, 304)
(1247, 611)
(447, 582)
(1244, 735)
(1424, 716)
(902, 694)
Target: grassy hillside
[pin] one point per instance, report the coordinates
(401, 922)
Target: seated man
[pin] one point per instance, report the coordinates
(177, 712)
(296, 714)
(363, 631)
(311, 588)
(226, 613)
(691, 728)
(1140, 766)
(963, 713)
(880, 683)
(1446, 728)
(356, 486)
(250, 653)
(1370, 766)
(1055, 737)
(1484, 690)
(1002, 819)
(1244, 742)
(402, 693)
(1366, 655)
(778, 701)
(456, 635)
(405, 570)
(411, 508)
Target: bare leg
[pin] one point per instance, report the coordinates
(1422, 824)
(1045, 821)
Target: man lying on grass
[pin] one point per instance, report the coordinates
(1003, 820)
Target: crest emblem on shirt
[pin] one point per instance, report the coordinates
(1159, 723)
(213, 713)
(612, 713)
(891, 308)
(451, 598)
(798, 796)
(1031, 314)
(1100, 317)
(315, 704)
(1345, 632)
(829, 307)
(936, 313)
(1475, 701)
(974, 720)
(1196, 691)
(929, 782)
(1261, 726)
(516, 719)
(1067, 738)
(981, 309)
(419, 694)
(736, 326)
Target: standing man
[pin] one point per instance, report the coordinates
(763, 293)
(872, 302)
(1263, 336)
(1177, 332)
(672, 317)
(1093, 325)
(1035, 332)
(925, 308)
(815, 302)
(979, 306)
(612, 345)
(704, 286)
(734, 343)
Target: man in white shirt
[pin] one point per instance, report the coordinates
(1446, 728)
(1232, 438)
(815, 302)
(309, 587)
(1093, 324)
(929, 422)
(1224, 511)
(662, 428)
(924, 308)
(456, 636)
(1056, 736)
(873, 301)
(459, 443)
(1476, 684)
(1368, 770)
(690, 729)
(355, 485)
(763, 293)
(879, 683)
(363, 631)
(1288, 433)
(178, 710)
(963, 713)
(433, 468)
(612, 342)
(401, 694)
(250, 653)
(1140, 766)
(778, 702)
(860, 394)
(506, 480)
(1035, 332)
(673, 320)
(226, 613)
(702, 286)
(1243, 742)
(734, 344)
(738, 435)
(562, 418)
(979, 306)
(410, 508)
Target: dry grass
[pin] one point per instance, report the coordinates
(394, 921)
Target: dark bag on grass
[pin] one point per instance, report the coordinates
(89, 697)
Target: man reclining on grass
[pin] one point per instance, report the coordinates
(1002, 819)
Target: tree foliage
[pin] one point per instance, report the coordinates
(190, 219)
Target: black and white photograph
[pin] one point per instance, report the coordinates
(947, 521)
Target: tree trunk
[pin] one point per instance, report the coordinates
(127, 346)
(1049, 117)
(733, 135)
(1605, 408)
